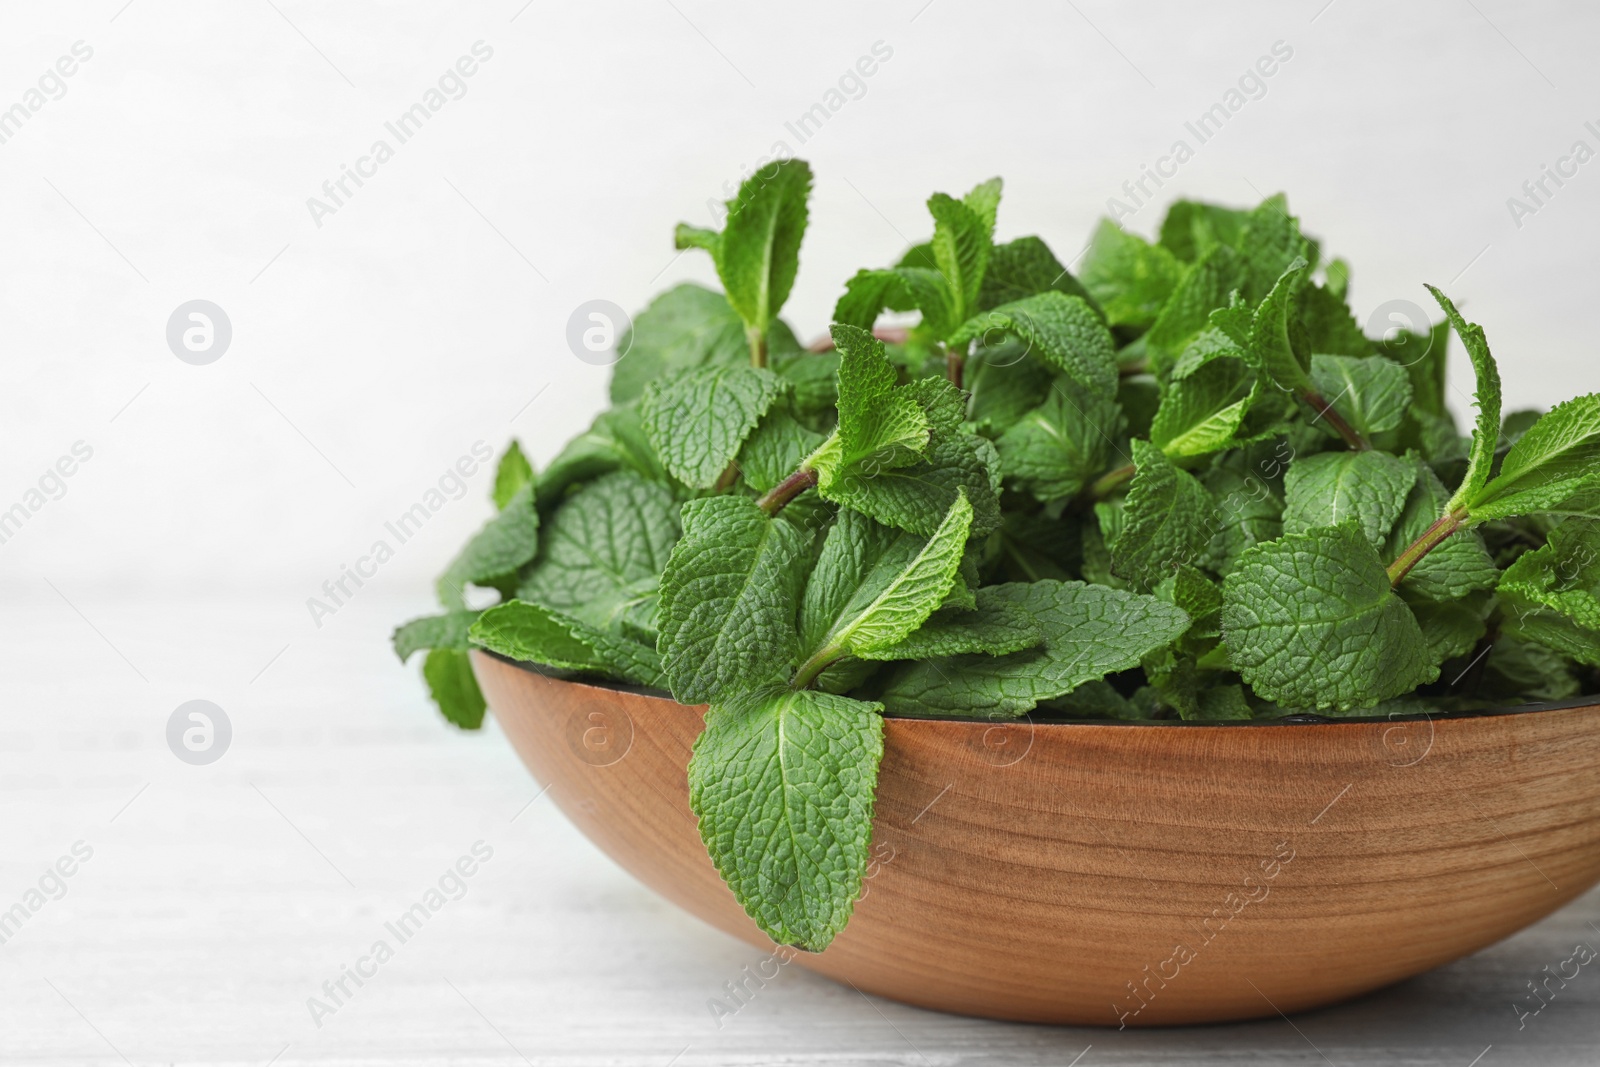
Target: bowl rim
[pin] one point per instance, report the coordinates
(1292, 720)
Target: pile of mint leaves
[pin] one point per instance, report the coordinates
(1180, 485)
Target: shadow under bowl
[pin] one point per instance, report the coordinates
(1119, 873)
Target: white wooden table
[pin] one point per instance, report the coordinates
(219, 898)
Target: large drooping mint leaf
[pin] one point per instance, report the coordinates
(510, 474)
(1060, 446)
(1061, 330)
(1373, 394)
(728, 600)
(1486, 430)
(448, 673)
(537, 634)
(880, 426)
(1168, 520)
(616, 441)
(758, 251)
(1204, 404)
(604, 551)
(782, 782)
(685, 327)
(873, 585)
(1460, 565)
(698, 420)
(433, 631)
(505, 543)
(962, 239)
(1327, 489)
(993, 627)
(1206, 286)
(1553, 467)
(1130, 278)
(1310, 621)
(1552, 594)
(1022, 268)
(1090, 631)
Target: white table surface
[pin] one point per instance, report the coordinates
(219, 898)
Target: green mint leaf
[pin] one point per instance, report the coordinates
(1450, 628)
(873, 585)
(1061, 330)
(1552, 594)
(433, 631)
(960, 245)
(448, 673)
(1327, 489)
(1311, 622)
(1003, 383)
(1056, 449)
(1269, 244)
(537, 634)
(1458, 566)
(615, 441)
(1486, 431)
(1249, 509)
(1554, 466)
(1268, 346)
(813, 379)
(984, 201)
(1424, 356)
(1168, 520)
(758, 252)
(918, 497)
(922, 289)
(685, 327)
(993, 627)
(782, 783)
(1191, 228)
(880, 426)
(1204, 404)
(1373, 394)
(604, 550)
(777, 448)
(510, 474)
(698, 420)
(1329, 326)
(1022, 268)
(1130, 278)
(505, 543)
(1206, 286)
(1090, 631)
(728, 600)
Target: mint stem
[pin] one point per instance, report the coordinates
(1325, 410)
(774, 500)
(889, 335)
(758, 346)
(820, 661)
(1431, 538)
(1110, 480)
(955, 362)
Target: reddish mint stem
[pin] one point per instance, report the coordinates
(779, 495)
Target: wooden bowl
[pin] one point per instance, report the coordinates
(1125, 874)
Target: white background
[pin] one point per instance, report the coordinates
(369, 353)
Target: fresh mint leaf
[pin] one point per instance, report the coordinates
(1191, 228)
(505, 543)
(1373, 394)
(685, 327)
(777, 448)
(782, 783)
(604, 551)
(1060, 446)
(1204, 404)
(1554, 467)
(1311, 621)
(1061, 330)
(1268, 346)
(1206, 286)
(1168, 520)
(1129, 278)
(1450, 628)
(1090, 631)
(510, 474)
(433, 631)
(1022, 268)
(1269, 244)
(1486, 431)
(537, 634)
(728, 600)
(880, 426)
(616, 441)
(993, 627)
(1328, 325)
(1003, 383)
(448, 673)
(1329, 488)
(873, 586)
(962, 239)
(1459, 566)
(1552, 594)
(923, 289)
(698, 420)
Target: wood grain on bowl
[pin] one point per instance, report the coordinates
(1121, 874)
